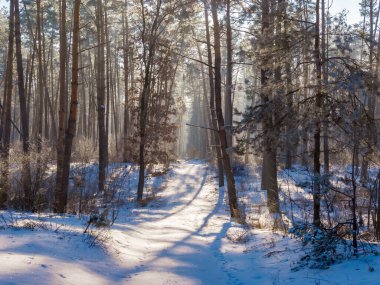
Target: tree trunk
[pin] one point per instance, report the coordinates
(228, 95)
(317, 130)
(26, 175)
(60, 195)
(269, 168)
(71, 125)
(103, 137)
(232, 197)
(326, 152)
(216, 141)
(371, 127)
(149, 39)
(7, 109)
(126, 84)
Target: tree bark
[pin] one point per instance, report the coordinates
(317, 127)
(5, 137)
(324, 46)
(71, 125)
(232, 197)
(26, 175)
(214, 121)
(60, 195)
(149, 49)
(103, 137)
(269, 167)
(126, 83)
(228, 95)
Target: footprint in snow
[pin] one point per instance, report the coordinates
(44, 265)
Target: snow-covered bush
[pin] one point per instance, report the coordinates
(238, 234)
(327, 246)
(38, 164)
(97, 227)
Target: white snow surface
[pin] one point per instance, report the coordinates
(184, 236)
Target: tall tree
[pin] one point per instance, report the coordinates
(149, 36)
(71, 125)
(232, 197)
(5, 132)
(101, 96)
(60, 194)
(269, 167)
(24, 114)
(317, 127)
(324, 55)
(215, 136)
(228, 94)
(126, 52)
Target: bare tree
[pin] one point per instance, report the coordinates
(232, 197)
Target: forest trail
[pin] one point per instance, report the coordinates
(183, 236)
(177, 239)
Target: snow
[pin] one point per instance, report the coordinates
(183, 236)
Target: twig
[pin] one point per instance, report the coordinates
(207, 128)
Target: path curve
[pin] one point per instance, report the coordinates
(177, 239)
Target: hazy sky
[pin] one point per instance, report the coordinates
(350, 5)
(337, 6)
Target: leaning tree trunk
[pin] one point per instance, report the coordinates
(232, 197)
(216, 141)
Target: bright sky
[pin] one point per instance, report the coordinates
(336, 6)
(350, 5)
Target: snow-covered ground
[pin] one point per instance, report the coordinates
(183, 236)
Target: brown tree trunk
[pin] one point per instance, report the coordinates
(232, 197)
(326, 151)
(40, 87)
(269, 168)
(372, 86)
(306, 58)
(149, 39)
(26, 175)
(216, 141)
(317, 130)
(60, 195)
(126, 83)
(7, 109)
(228, 95)
(103, 137)
(71, 125)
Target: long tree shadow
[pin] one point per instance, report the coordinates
(189, 255)
(158, 211)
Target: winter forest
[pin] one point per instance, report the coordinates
(189, 142)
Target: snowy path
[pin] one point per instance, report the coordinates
(179, 238)
(177, 243)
